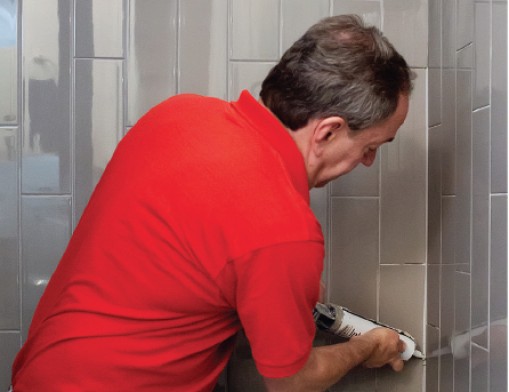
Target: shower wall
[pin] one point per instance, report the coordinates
(467, 209)
(75, 75)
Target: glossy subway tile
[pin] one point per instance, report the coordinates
(482, 44)
(403, 186)
(46, 223)
(434, 225)
(248, 40)
(9, 228)
(499, 105)
(354, 254)
(361, 181)
(98, 122)
(10, 344)
(9, 63)
(46, 167)
(247, 76)
(99, 27)
(369, 11)
(152, 32)
(298, 15)
(203, 48)
(480, 221)
(460, 343)
(410, 17)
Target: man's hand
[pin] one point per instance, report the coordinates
(387, 348)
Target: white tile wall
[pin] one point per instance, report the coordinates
(88, 69)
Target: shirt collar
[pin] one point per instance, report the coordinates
(277, 135)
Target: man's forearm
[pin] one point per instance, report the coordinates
(328, 364)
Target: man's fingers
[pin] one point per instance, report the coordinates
(397, 365)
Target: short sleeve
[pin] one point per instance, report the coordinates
(276, 290)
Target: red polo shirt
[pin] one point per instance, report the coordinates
(199, 226)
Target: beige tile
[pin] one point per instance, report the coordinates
(298, 16)
(465, 23)
(482, 56)
(463, 168)
(203, 47)
(354, 254)
(434, 96)
(361, 181)
(435, 34)
(434, 194)
(402, 300)
(370, 11)
(410, 379)
(446, 327)
(499, 103)
(403, 186)
(432, 364)
(449, 17)
(480, 369)
(448, 230)
(461, 337)
(433, 295)
(248, 40)
(480, 220)
(405, 23)
(247, 76)
(358, 380)
(449, 132)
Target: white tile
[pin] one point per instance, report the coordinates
(499, 99)
(47, 97)
(203, 47)
(354, 254)
(99, 28)
(482, 45)
(465, 57)
(255, 30)
(403, 186)
(298, 16)
(9, 63)
(98, 122)
(151, 61)
(46, 223)
(247, 76)
(405, 23)
(370, 11)
(361, 181)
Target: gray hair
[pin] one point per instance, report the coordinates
(339, 67)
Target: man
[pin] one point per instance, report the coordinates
(201, 226)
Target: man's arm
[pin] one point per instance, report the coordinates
(326, 365)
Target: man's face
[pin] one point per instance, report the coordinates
(350, 148)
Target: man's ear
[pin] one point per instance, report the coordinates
(326, 130)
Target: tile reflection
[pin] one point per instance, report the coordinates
(46, 145)
(9, 282)
(8, 62)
